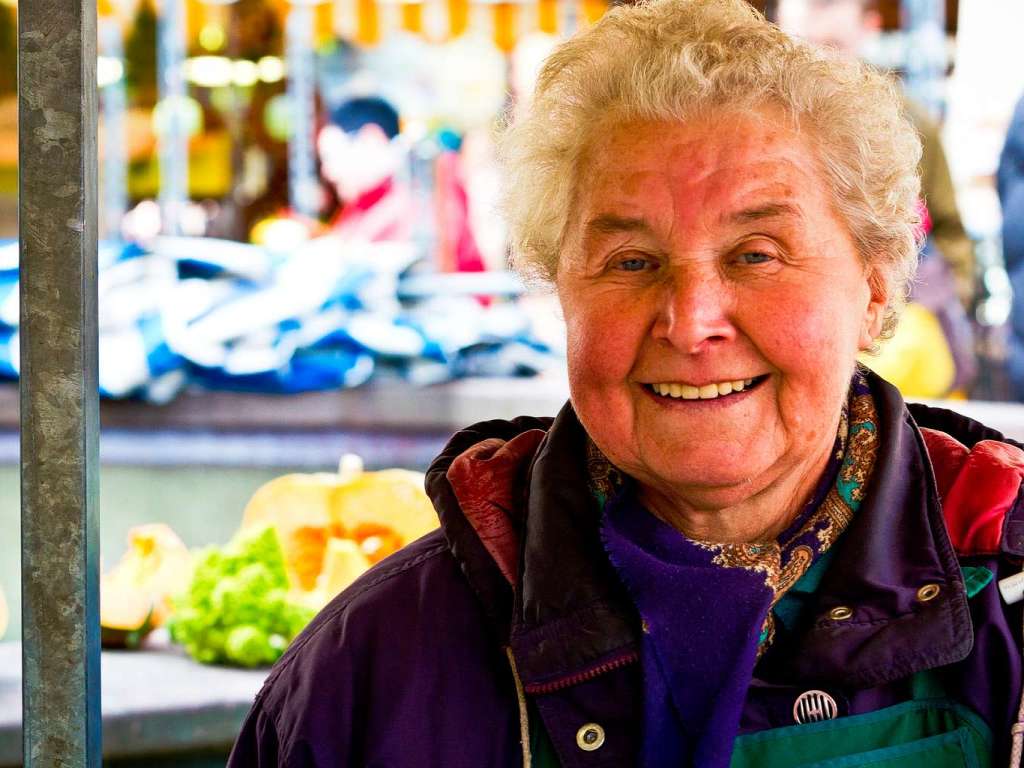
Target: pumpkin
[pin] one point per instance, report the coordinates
(344, 562)
(377, 512)
(126, 614)
(136, 595)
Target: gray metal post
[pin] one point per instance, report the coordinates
(59, 410)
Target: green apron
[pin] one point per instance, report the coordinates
(929, 730)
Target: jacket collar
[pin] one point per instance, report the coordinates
(569, 618)
(464, 541)
(896, 544)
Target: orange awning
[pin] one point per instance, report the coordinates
(368, 22)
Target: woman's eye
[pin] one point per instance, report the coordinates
(634, 264)
(754, 257)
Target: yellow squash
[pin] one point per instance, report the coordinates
(136, 595)
(376, 512)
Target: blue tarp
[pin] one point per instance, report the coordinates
(329, 314)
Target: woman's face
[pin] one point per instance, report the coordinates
(703, 257)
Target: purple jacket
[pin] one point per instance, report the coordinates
(411, 665)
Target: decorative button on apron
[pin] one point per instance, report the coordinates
(814, 706)
(590, 737)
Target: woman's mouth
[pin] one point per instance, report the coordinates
(672, 390)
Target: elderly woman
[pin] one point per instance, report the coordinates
(733, 546)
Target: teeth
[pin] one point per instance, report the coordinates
(707, 392)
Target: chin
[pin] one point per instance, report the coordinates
(705, 474)
(713, 480)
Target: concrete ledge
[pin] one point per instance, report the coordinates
(154, 702)
(381, 406)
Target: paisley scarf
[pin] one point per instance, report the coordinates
(706, 607)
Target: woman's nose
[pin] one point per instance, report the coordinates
(695, 314)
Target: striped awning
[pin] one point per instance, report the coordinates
(367, 22)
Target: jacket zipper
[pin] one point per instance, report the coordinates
(581, 677)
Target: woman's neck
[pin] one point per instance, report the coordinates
(769, 504)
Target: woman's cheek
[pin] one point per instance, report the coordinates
(802, 330)
(584, 370)
(597, 334)
(594, 360)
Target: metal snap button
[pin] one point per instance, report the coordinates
(840, 613)
(814, 706)
(928, 592)
(590, 737)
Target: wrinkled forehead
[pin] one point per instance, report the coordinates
(704, 177)
(723, 147)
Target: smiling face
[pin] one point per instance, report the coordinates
(704, 258)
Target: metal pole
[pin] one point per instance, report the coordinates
(59, 409)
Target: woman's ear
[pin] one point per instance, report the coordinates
(874, 314)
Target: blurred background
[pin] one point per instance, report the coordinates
(300, 259)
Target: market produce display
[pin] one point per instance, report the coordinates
(333, 526)
(136, 595)
(237, 609)
(303, 539)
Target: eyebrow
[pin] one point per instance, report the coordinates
(767, 211)
(610, 224)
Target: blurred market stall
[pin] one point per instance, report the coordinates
(329, 313)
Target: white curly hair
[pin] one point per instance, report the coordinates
(677, 60)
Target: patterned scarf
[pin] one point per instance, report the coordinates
(706, 607)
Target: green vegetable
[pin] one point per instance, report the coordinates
(236, 610)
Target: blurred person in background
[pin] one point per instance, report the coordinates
(1010, 185)
(932, 354)
(360, 160)
(360, 163)
(364, 162)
